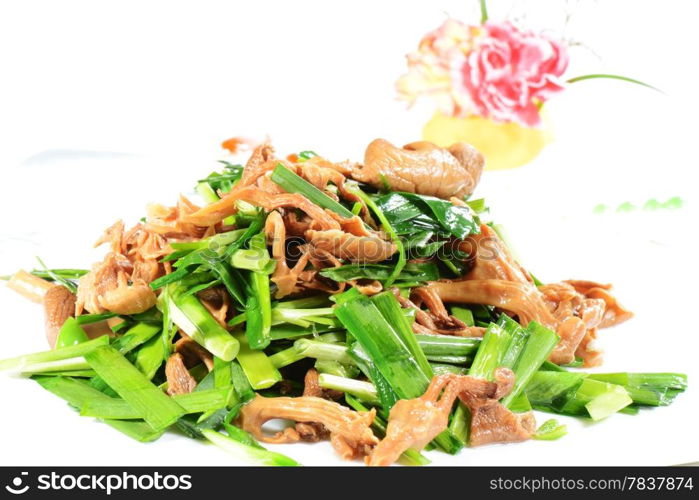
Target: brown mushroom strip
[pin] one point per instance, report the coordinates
(523, 300)
(321, 259)
(179, 380)
(412, 423)
(491, 258)
(588, 351)
(491, 422)
(343, 245)
(440, 321)
(283, 277)
(350, 431)
(557, 306)
(217, 302)
(353, 225)
(170, 221)
(295, 224)
(578, 319)
(138, 244)
(614, 313)
(421, 167)
(314, 431)
(192, 353)
(215, 212)
(261, 161)
(59, 305)
(107, 288)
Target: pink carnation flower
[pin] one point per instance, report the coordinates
(511, 72)
(495, 70)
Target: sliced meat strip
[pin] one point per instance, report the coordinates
(350, 431)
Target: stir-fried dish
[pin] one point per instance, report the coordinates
(370, 304)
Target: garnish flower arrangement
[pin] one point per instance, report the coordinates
(489, 82)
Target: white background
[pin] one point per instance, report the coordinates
(105, 106)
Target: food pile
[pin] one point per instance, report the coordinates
(372, 304)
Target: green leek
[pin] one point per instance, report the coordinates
(158, 410)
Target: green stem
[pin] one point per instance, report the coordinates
(364, 391)
(258, 368)
(384, 346)
(447, 345)
(292, 183)
(539, 343)
(323, 350)
(116, 408)
(259, 312)
(157, 409)
(253, 454)
(390, 308)
(613, 77)
(484, 11)
(193, 318)
(386, 225)
(59, 354)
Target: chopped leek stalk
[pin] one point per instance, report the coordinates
(384, 346)
(322, 350)
(253, 454)
(116, 408)
(364, 391)
(68, 352)
(550, 430)
(135, 336)
(258, 368)
(71, 333)
(157, 409)
(292, 183)
(188, 313)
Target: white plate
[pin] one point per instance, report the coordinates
(647, 255)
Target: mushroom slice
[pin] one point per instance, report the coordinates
(412, 423)
(350, 431)
(179, 380)
(421, 167)
(348, 246)
(110, 287)
(59, 305)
